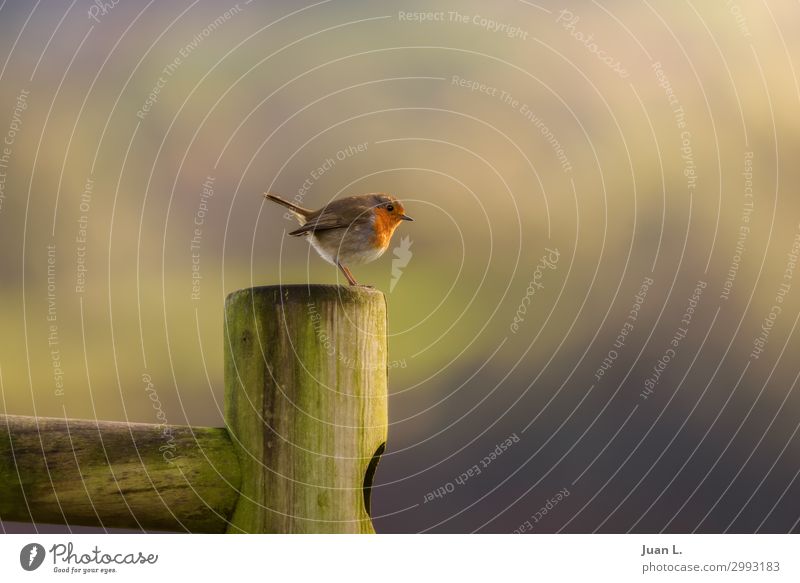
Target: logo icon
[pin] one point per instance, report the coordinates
(402, 255)
(31, 556)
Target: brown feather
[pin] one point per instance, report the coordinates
(340, 214)
(303, 212)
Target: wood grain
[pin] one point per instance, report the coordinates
(306, 406)
(108, 474)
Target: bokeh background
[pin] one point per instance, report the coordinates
(625, 142)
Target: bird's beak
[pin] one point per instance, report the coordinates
(405, 218)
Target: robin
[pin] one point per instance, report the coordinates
(351, 230)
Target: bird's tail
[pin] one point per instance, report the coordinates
(291, 206)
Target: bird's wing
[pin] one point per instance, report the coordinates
(322, 222)
(338, 214)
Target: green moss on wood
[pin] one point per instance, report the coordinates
(306, 417)
(110, 474)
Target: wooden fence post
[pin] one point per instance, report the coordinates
(305, 409)
(305, 405)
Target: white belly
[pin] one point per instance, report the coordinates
(345, 245)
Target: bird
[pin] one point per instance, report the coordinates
(348, 231)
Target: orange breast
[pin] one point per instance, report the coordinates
(383, 228)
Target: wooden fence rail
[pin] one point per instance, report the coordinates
(306, 423)
(109, 474)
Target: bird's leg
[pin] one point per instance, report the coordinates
(347, 274)
(351, 280)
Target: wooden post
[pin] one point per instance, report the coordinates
(109, 474)
(305, 405)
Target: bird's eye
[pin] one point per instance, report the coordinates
(390, 207)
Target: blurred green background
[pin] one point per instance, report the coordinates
(616, 133)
